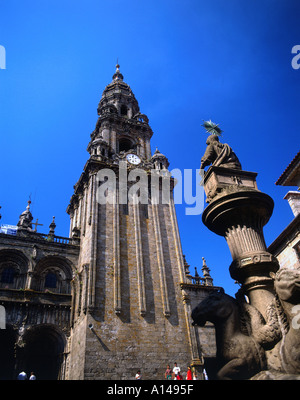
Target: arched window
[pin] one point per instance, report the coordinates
(50, 280)
(125, 144)
(53, 273)
(8, 275)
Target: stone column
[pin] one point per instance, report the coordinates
(142, 148)
(148, 149)
(238, 211)
(85, 282)
(85, 200)
(71, 223)
(113, 140)
(79, 216)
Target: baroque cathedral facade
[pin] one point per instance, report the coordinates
(117, 294)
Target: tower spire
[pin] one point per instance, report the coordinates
(117, 75)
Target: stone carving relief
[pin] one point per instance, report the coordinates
(239, 354)
(248, 344)
(287, 300)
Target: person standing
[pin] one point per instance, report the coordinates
(32, 377)
(176, 370)
(189, 374)
(138, 375)
(205, 375)
(22, 376)
(179, 376)
(168, 372)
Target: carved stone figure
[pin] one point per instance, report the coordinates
(25, 220)
(240, 355)
(243, 336)
(219, 154)
(265, 332)
(287, 287)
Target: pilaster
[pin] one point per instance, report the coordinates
(160, 260)
(116, 253)
(139, 257)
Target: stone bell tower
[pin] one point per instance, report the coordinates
(129, 309)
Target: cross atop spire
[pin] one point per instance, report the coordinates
(36, 224)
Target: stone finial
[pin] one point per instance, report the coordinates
(117, 75)
(206, 273)
(196, 278)
(187, 273)
(186, 266)
(52, 227)
(25, 219)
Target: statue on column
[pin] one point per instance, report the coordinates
(258, 331)
(218, 154)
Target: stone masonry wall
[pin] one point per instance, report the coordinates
(120, 344)
(288, 257)
(128, 290)
(76, 359)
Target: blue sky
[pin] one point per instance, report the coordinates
(186, 61)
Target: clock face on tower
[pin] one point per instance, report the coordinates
(133, 159)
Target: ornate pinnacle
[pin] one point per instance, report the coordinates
(206, 273)
(117, 75)
(52, 227)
